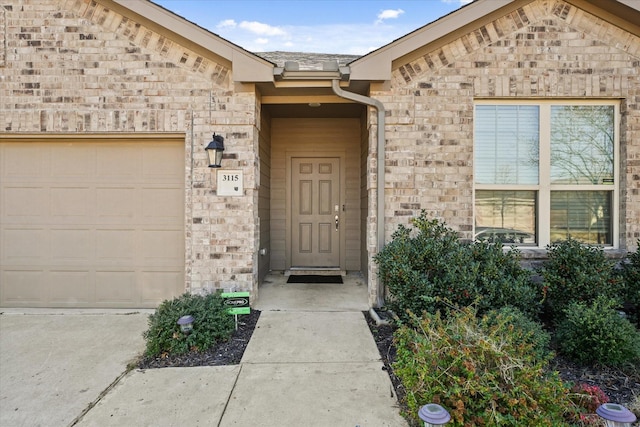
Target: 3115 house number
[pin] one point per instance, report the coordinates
(233, 178)
(230, 182)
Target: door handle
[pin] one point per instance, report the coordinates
(337, 222)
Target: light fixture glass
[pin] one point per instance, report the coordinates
(615, 415)
(433, 414)
(186, 323)
(214, 150)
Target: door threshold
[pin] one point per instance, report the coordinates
(325, 271)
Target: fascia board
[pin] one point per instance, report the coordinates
(634, 4)
(377, 64)
(245, 66)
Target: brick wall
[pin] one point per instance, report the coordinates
(78, 66)
(546, 49)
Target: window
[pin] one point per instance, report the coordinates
(545, 171)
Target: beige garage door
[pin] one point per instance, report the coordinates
(91, 223)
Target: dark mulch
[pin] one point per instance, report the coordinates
(226, 353)
(620, 386)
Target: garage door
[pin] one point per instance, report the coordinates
(91, 223)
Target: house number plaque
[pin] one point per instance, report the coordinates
(230, 182)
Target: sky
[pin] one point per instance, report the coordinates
(353, 27)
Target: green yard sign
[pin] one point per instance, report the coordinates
(237, 302)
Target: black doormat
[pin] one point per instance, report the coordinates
(314, 278)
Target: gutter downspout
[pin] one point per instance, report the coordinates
(379, 106)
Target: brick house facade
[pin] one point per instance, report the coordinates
(106, 107)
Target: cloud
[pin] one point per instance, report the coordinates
(262, 29)
(261, 41)
(226, 24)
(389, 14)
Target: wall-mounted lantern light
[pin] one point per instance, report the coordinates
(186, 323)
(615, 415)
(214, 150)
(433, 415)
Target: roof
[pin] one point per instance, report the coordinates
(306, 61)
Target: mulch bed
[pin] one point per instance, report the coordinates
(619, 386)
(226, 353)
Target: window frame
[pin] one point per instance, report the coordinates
(544, 186)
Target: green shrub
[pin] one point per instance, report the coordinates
(427, 268)
(521, 329)
(575, 272)
(501, 281)
(595, 333)
(478, 372)
(631, 277)
(212, 324)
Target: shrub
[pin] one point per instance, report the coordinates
(575, 272)
(479, 373)
(521, 329)
(427, 268)
(501, 281)
(595, 333)
(212, 324)
(631, 277)
(588, 398)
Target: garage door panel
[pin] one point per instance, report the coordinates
(24, 246)
(91, 224)
(69, 287)
(170, 157)
(73, 160)
(21, 202)
(116, 205)
(71, 245)
(116, 287)
(70, 203)
(21, 161)
(118, 164)
(23, 287)
(163, 205)
(156, 284)
(117, 246)
(158, 247)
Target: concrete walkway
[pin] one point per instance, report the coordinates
(303, 367)
(56, 363)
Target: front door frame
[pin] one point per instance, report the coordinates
(288, 185)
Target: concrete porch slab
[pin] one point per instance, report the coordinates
(320, 337)
(166, 397)
(310, 394)
(276, 294)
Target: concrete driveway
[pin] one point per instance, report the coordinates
(55, 364)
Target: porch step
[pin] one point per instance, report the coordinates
(318, 271)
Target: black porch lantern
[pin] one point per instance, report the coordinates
(214, 150)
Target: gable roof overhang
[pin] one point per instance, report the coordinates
(245, 66)
(378, 65)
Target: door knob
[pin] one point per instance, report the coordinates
(337, 222)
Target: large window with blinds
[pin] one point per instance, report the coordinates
(546, 171)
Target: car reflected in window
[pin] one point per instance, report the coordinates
(504, 235)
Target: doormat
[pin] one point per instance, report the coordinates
(314, 278)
